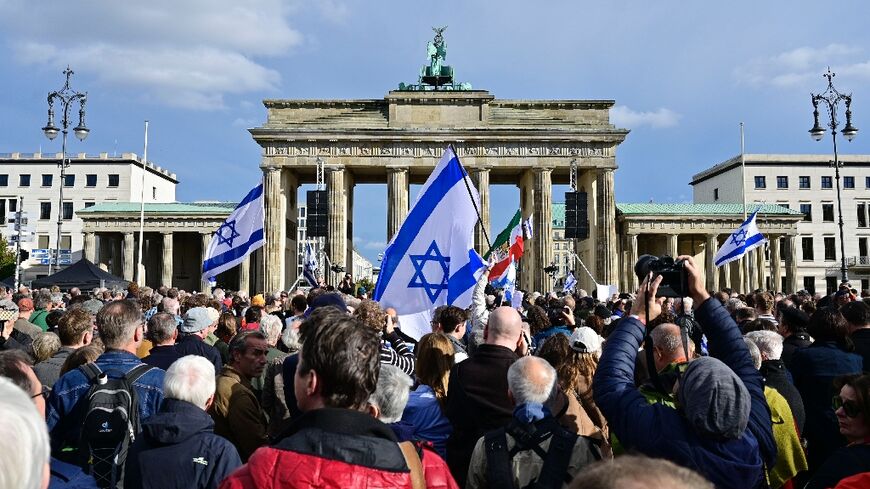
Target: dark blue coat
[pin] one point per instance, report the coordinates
(660, 431)
(69, 476)
(178, 449)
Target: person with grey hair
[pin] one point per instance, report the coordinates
(43, 304)
(270, 389)
(162, 331)
(236, 410)
(639, 472)
(512, 456)
(197, 324)
(388, 400)
(776, 375)
(23, 440)
(182, 430)
(121, 330)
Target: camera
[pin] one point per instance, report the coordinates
(555, 310)
(675, 279)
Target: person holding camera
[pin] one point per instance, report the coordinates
(723, 427)
(561, 317)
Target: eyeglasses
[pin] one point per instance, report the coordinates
(44, 393)
(851, 408)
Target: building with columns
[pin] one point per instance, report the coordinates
(399, 139)
(698, 230)
(805, 183)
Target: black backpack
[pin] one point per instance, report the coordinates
(111, 423)
(554, 473)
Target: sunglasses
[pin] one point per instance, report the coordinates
(851, 408)
(44, 393)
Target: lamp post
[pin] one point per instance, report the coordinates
(66, 96)
(832, 98)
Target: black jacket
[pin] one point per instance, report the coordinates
(194, 345)
(861, 339)
(48, 371)
(777, 377)
(793, 343)
(477, 402)
(178, 449)
(162, 356)
(844, 462)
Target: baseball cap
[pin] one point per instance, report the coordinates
(195, 320)
(585, 340)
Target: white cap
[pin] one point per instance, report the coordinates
(585, 340)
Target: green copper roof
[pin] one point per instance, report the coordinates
(702, 209)
(558, 214)
(218, 208)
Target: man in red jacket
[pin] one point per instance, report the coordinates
(336, 443)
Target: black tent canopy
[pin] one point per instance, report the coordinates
(82, 274)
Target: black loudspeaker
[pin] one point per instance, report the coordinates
(576, 216)
(317, 214)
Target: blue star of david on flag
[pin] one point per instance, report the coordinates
(419, 280)
(745, 238)
(739, 237)
(222, 237)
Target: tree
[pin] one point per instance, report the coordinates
(7, 259)
(367, 284)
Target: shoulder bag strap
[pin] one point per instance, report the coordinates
(409, 451)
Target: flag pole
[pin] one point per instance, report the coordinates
(471, 196)
(140, 279)
(744, 259)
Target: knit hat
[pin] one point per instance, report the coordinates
(25, 304)
(195, 320)
(714, 399)
(258, 300)
(585, 340)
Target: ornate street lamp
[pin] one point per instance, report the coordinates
(66, 96)
(832, 98)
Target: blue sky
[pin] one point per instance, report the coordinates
(683, 75)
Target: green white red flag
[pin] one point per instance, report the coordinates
(507, 245)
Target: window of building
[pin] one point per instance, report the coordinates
(862, 214)
(88, 204)
(301, 212)
(807, 248)
(760, 182)
(23, 180)
(831, 284)
(154, 193)
(810, 284)
(804, 182)
(90, 180)
(42, 241)
(69, 180)
(45, 210)
(67, 211)
(848, 182)
(807, 211)
(866, 182)
(4, 180)
(830, 248)
(827, 212)
(781, 182)
(783, 204)
(862, 249)
(114, 180)
(827, 182)
(65, 242)
(13, 205)
(715, 194)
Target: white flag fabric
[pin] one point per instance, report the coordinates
(309, 266)
(527, 227)
(237, 237)
(431, 260)
(570, 282)
(746, 238)
(507, 280)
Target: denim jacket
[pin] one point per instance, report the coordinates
(67, 404)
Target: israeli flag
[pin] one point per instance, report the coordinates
(570, 282)
(507, 281)
(746, 238)
(309, 266)
(431, 261)
(237, 237)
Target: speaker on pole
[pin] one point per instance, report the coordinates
(318, 213)
(576, 215)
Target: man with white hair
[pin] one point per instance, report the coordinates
(23, 441)
(512, 456)
(775, 374)
(178, 447)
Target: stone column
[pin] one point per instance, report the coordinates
(607, 259)
(291, 227)
(480, 177)
(89, 247)
(671, 245)
(587, 249)
(336, 241)
(117, 267)
(205, 239)
(740, 277)
(726, 277)
(775, 263)
(245, 275)
(791, 264)
(349, 184)
(709, 262)
(632, 259)
(129, 248)
(167, 272)
(760, 268)
(276, 227)
(397, 199)
(527, 265)
(543, 227)
(752, 264)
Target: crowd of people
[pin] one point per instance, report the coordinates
(160, 388)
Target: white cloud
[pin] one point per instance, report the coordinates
(803, 66)
(623, 116)
(187, 54)
(367, 244)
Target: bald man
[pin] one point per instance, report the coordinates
(477, 400)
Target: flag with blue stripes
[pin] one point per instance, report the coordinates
(746, 238)
(431, 260)
(507, 281)
(309, 266)
(570, 282)
(237, 237)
